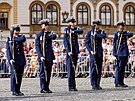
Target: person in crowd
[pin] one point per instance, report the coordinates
(109, 46)
(108, 64)
(31, 70)
(104, 44)
(82, 46)
(82, 65)
(56, 62)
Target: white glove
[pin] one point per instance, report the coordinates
(12, 61)
(69, 53)
(42, 59)
(92, 53)
(72, 31)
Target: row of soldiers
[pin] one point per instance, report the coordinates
(43, 43)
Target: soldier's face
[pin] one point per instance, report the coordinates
(45, 27)
(98, 26)
(16, 32)
(121, 27)
(72, 24)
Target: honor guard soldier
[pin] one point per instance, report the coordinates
(43, 42)
(16, 58)
(72, 50)
(121, 52)
(94, 47)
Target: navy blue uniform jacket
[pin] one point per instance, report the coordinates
(123, 49)
(98, 42)
(49, 55)
(75, 45)
(19, 56)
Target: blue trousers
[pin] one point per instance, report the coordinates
(71, 72)
(120, 70)
(44, 84)
(95, 74)
(19, 70)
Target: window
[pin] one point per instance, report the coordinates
(105, 15)
(52, 14)
(130, 15)
(37, 13)
(3, 20)
(82, 14)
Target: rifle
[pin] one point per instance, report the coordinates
(43, 50)
(12, 52)
(118, 46)
(70, 42)
(94, 48)
(119, 42)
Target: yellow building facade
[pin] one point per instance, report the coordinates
(29, 12)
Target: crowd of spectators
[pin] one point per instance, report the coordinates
(4, 67)
(59, 69)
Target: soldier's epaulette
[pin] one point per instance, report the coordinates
(7, 39)
(78, 28)
(66, 30)
(36, 36)
(128, 32)
(50, 33)
(102, 31)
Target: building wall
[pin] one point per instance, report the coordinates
(122, 3)
(10, 2)
(69, 6)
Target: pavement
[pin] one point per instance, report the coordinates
(30, 87)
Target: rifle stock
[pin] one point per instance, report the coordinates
(94, 46)
(12, 52)
(70, 41)
(119, 42)
(43, 50)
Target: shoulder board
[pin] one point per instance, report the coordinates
(37, 36)
(8, 39)
(102, 31)
(91, 31)
(50, 33)
(128, 32)
(66, 30)
(78, 28)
